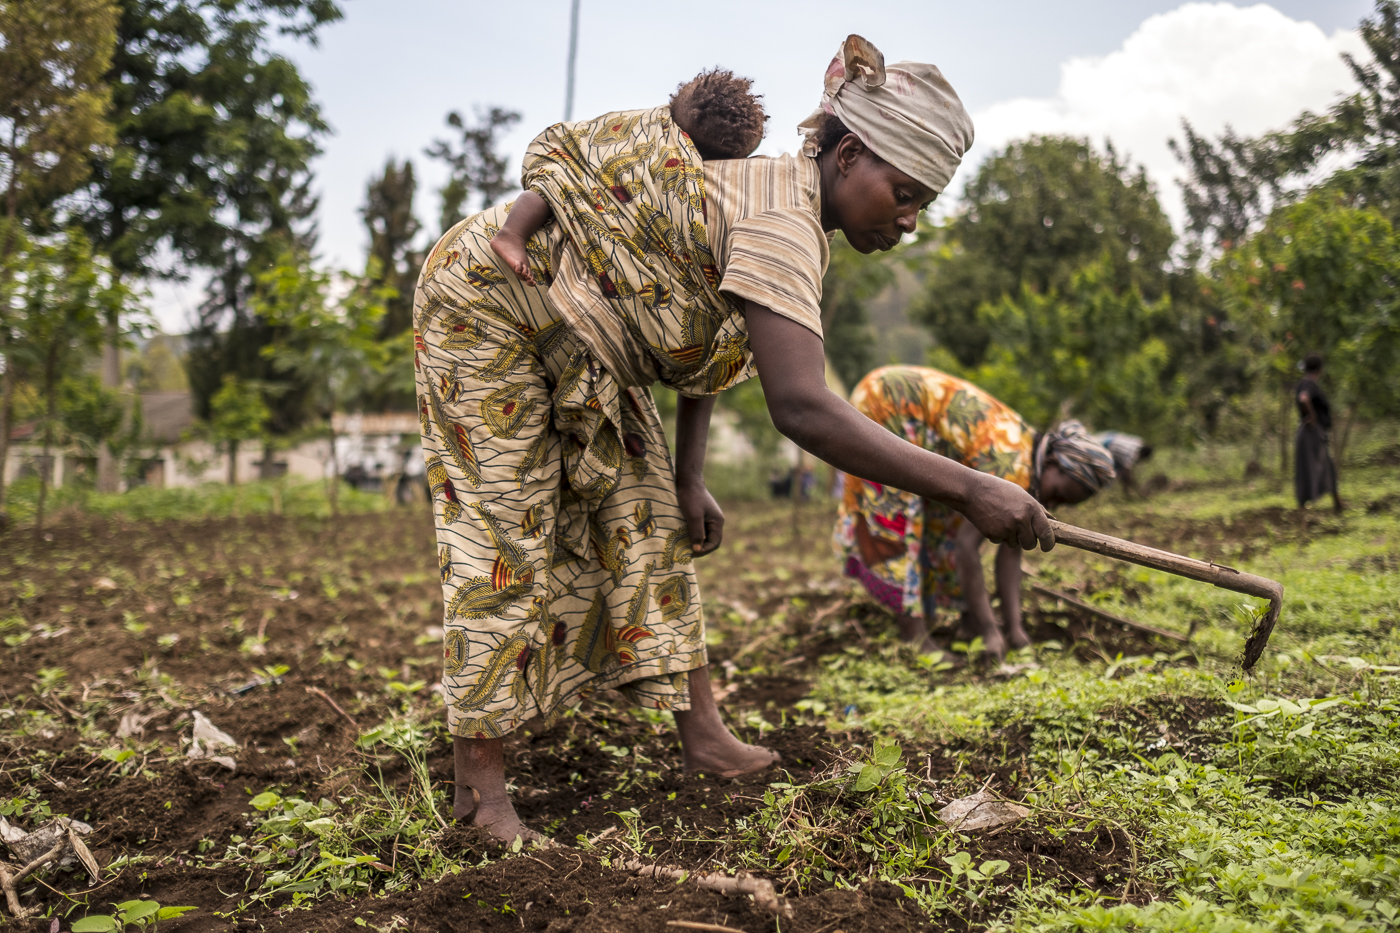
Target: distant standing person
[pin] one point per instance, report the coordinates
(1314, 473)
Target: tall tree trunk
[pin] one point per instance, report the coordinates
(108, 478)
(50, 413)
(233, 463)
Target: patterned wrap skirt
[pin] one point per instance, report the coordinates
(901, 547)
(566, 564)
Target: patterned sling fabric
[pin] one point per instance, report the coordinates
(650, 272)
(565, 562)
(952, 418)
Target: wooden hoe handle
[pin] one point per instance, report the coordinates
(1206, 571)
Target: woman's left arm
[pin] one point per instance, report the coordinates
(703, 515)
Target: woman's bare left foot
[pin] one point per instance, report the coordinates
(728, 757)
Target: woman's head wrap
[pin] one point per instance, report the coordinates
(1077, 453)
(908, 114)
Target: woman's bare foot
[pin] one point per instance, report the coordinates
(511, 249)
(914, 631)
(707, 744)
(481, 798)
(726, 756)
(1017, 636)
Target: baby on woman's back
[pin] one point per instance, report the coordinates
(717, 110)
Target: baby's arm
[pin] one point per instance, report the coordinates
(527, 215)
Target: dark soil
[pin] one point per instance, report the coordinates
(151, 622)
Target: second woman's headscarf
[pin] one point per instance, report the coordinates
(908, 114)
(1077, 453)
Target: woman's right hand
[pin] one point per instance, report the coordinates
(1007, 514)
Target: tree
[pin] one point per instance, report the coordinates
(475, 168)
(331, 347)
(53, 106)
(1230, 185)
(92, 415)
(53, 100)
(1102, 352)
(1322, 277)
(388, 214)
(1035, 214)
(63, 293)
(237, 413)
(214, 136)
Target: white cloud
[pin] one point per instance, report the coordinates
(1214, 64)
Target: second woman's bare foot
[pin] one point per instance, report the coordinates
(1017, 637)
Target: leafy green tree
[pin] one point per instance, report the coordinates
(1233, 183)
(1321, 277)
(474, 165)
(388, 214)
(93, 416)
(53, 106)
(330, 346)
(1229, 187)
(1034, 214)
(1091, 349)
(212, 133)
(53, 100)
(237, 413)
(62, 295)
(215, 133)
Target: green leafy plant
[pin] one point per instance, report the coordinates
(138, 915)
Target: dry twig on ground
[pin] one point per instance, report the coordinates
(764, 896)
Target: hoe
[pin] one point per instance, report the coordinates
(1207, 572)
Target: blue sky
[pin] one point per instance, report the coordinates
(388, 74)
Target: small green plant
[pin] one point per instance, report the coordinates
(979, 880)
(50, 679)
(137, 915)
(133, 624)
(272, 673)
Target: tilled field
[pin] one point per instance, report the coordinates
(297, 637)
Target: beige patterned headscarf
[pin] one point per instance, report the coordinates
(908, 114)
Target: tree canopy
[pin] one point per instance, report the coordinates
(1032, 216)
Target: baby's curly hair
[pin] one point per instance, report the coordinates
(724, 119)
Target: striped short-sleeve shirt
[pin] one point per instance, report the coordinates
(766, 233)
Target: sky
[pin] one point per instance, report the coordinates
(1125, 70)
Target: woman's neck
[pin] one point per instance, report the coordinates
(826, 173)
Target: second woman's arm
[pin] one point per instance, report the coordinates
(792, 365)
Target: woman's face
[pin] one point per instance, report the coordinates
(1058, 488)
(868, 199)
